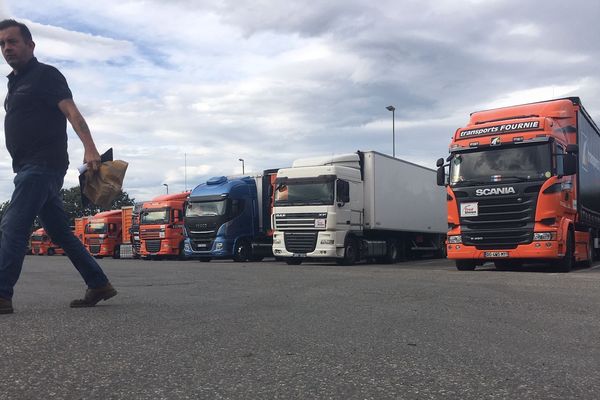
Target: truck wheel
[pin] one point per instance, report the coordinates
(117, 252)
(392, 253)
(293, 261)
(241, 252)
(50, 251)
(350, 253)
(566, 263)
(465, 265)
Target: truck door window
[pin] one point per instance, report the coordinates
(237, 207)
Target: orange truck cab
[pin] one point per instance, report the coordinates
(161, 226)
(42, 244)
(523, 185)
(103, 234)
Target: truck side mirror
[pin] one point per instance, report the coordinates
(569, 164)
(343, 191)
(439, 162)
(572, 149)
(441, 176)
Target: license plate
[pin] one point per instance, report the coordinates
(496, 254)
(300, 255)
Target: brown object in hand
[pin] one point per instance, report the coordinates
(103, 186)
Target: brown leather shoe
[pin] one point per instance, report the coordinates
(6, 306)
(93, 296)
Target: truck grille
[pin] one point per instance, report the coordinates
(94, 248)
(300, 242)
(150, 234)
(152, 246)
(297, 221)
(503, 222)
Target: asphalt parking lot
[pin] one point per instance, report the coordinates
(266, 330)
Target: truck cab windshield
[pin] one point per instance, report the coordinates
(96, 227)
(299, 192)
(155, 216)
(206, 208)
(498, 164)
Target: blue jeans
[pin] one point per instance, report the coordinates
(37, 193)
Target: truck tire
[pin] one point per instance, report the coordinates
(50, 251)
(241, 251)
(465, 265)
(117, 252)
(393, 252)
(293, 261)
(565, 264)
(350, 253)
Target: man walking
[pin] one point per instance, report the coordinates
(37, 105)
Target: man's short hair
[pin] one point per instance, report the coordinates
(9, 23)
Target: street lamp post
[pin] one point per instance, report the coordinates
(242, 160)
(393, 110)
(167, 186)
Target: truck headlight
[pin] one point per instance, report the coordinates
(544, 236)
(219, 246)
(327, 241)
(455, 239)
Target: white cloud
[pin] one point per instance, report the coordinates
(273, 81)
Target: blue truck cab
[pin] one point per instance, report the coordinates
(224, 219)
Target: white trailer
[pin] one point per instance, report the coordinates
(355, 206)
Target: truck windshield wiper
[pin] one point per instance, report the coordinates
(518, 178)
(469, 182)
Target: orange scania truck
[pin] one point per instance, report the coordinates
(161, 226)
(523, 185)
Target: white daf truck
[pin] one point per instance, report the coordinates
(363, 205)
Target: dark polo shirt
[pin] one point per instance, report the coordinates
(35, 128)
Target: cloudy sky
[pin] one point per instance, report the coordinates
(183, 89)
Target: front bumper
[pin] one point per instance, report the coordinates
(535, 250)
(220, 249)
(328, 245)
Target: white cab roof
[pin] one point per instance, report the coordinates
(349, 160)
